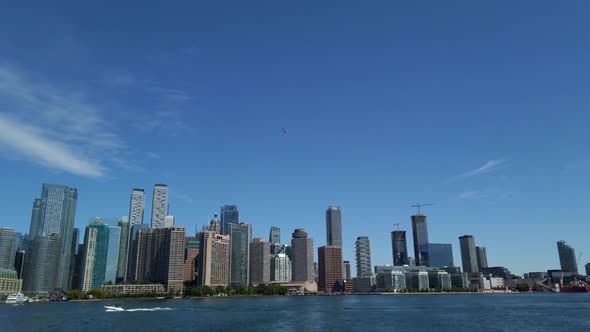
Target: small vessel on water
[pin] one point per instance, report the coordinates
(113, 308)
(576, 286)
(16, 298)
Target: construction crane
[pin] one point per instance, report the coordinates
(419, 205)
(580, 258)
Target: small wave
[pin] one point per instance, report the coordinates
(149, 309)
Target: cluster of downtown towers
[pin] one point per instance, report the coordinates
(125, 249)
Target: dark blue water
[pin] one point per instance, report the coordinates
(534, 312)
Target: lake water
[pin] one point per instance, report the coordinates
(530, 312)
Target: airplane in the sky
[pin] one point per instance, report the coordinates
(285, 131)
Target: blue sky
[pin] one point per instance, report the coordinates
(481, 108)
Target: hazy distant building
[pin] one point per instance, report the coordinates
(229, 214)
(159, 206)
(94, 262)
(302, 256)
(259, 262)
(420, 230)
(482, 258)
(400, 248)
(567, 257)
(123, 224)
(330, 269)
(239, 257)
(280, 268)
(213, 226)
(214, 261)
(363, 257)
(275, 235)
(113, 254)
(440, 254)
(7, 248)
(334, 226)
(136, 207)
(468, 254)
(170, 221)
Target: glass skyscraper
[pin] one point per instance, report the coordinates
(40, 276)
(440, 255)
(334, 226)
(229, 214)
(275, 235)
(113, 254)
(567, 257)
(482, 258)
(159, 206)
(7, 248)
(240, 238)
(468, 254)
(420, 230)
(363, 257)
(136, 207)
(123, 223)
(96, 246)
(400, 248)
(302, 256)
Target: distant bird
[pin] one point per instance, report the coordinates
(285, 131)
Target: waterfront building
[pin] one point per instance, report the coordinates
(280, 268)
(123, 224)
(240, 238)
(9, 282)
(132, 273)
(157, 289)
(420, 232)
(259, 262)
(440, 254)
(363, 257)
(330, 269)
(460, 280)
(391, 281)
(161, 257)
(96, 246)
(159, 206)
(40, 273)
(567, 257)
(7, 248)
(417, 280)
(347, 273)
(214, 261)
(468, 254)
(482, 258)
(363, 285)
(136, 206)
(113, 254)
(191, 253)
(439, 279)
(302, 256)
(229, 214)
(497, 271)
(400, 248)
(275, 235)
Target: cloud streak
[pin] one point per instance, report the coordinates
(489, 166)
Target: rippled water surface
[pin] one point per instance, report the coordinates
(534, 312)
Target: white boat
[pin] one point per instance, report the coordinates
(113, 308)
(15, 298)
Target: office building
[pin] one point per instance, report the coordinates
(275, 235)
(468, 254)
(19, 263)
(9, 282)
(460, 280)
(440, 255)
(347, 272)
(191, 253)
(259, 262)
(334, 226)
(302, 256)
(417, 280)
(123, 224)
(400, 248)
(390, 281)
(7, 248)
(133, 252)
(420, 230)
(159, 206)
(482, 258)
(170, 221)
(567, 257)
(229, 214)
(439, 279)
(136, 207)
(497, 271)
(280, 268)
(35, 219)
(113, 254)
(330, 269)
(161, 257)
(41, 261)
(214, 261)
(364, 284)
(587, 267)
(363, 257)
(240, 238)
(96, 247)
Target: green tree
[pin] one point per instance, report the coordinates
(522, 287)
(75, 294)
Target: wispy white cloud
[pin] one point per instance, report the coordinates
(469, 194)
(54, 126)
(489, 166)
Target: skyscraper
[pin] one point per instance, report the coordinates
(363, 257)
(567, 257)
(334, 226)
(40, 273)
(482, 258)
(347, 273)
(302, 256)
(330, 268)
(229, 214)
(94, 261)
(170, 221)
(132, 273)
(213, 259)
(7, 248)
(468, 254)
(123, 223)
(420, 230)
(281, 268)
(136, 207)
(275, 235)
(113, 254)
(159, 206)
(191, 252)
(35, 219)
(440, 255)
(400, 248)
(240, 238)
(259, 262)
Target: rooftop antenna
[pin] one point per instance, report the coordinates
(396, 225)
(419, 205)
